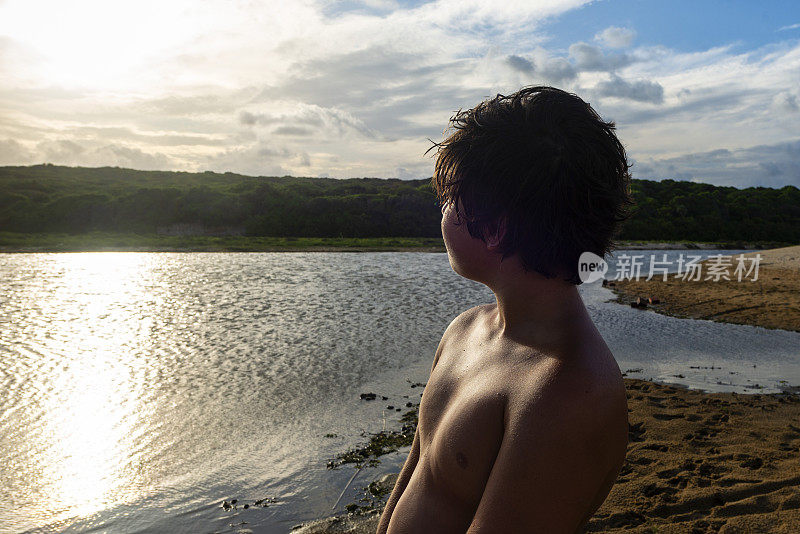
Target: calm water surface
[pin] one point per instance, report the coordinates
(140, 390)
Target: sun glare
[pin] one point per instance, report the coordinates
(94, 44)
(89, 433)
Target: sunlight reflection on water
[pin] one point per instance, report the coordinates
(81, 404)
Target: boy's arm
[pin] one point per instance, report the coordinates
(400, 485)
(550, 467)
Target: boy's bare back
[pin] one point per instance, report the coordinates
(511, 439)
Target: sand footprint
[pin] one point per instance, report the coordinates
(636, 431)
(664, 416)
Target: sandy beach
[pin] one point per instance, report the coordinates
(771, 301)
(700, 462)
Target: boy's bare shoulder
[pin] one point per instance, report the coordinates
(467, 319)
(588, 385)
(586, 366)
(584, 376)
(476, 312)
(459, 326)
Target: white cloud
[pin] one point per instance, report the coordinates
(298, 131)
(67, 152)
(764, 165)
(557, 70)
(711, 100)
(305, 119)
(14, 153)
(790, 27)
(355, 89)
(616, 37)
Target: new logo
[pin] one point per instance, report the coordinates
(591, 267)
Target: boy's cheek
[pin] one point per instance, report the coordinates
(449, 229)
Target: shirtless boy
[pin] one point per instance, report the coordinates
(523, 426)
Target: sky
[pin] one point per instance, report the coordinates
(707, 91)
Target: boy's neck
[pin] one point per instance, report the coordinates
(545, 313)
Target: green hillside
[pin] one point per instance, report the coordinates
(48, 199)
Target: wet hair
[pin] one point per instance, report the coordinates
(543, 160)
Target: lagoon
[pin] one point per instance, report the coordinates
(140, 390)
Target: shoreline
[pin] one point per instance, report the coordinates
(696, 462)
(22, 244)
(31, 250)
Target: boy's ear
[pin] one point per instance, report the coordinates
(495, 234)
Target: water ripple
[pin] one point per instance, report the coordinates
(136, 384)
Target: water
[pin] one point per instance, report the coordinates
(140, 390)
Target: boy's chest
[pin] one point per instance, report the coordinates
(461, 425)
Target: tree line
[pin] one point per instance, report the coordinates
(76, 200)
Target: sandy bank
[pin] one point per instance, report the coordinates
(772, 301)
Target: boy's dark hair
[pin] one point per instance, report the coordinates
(544, 160)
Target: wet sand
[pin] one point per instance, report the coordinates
(697, 462)
(772, 301)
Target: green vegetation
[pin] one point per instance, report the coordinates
(10, 241)
(46, 199)
(676, 210)
(47, 207)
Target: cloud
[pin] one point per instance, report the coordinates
(616, 37)
(134, 158)
(790, 27)
(302, 160)
(592, 58)
(13, 152)
(153, 138)
(292, 130)
(361, 78)
(68, 152)
(296, 121)
(257, 159)
(640, 91)
(478, 14)
(785, 102)
(60, 151)
(559, 70)
(763, 165)
(520, 64)
(208, 100)
(15, 56)
(247, 118)
(412, 170)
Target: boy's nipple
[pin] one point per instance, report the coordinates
(461, 460)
